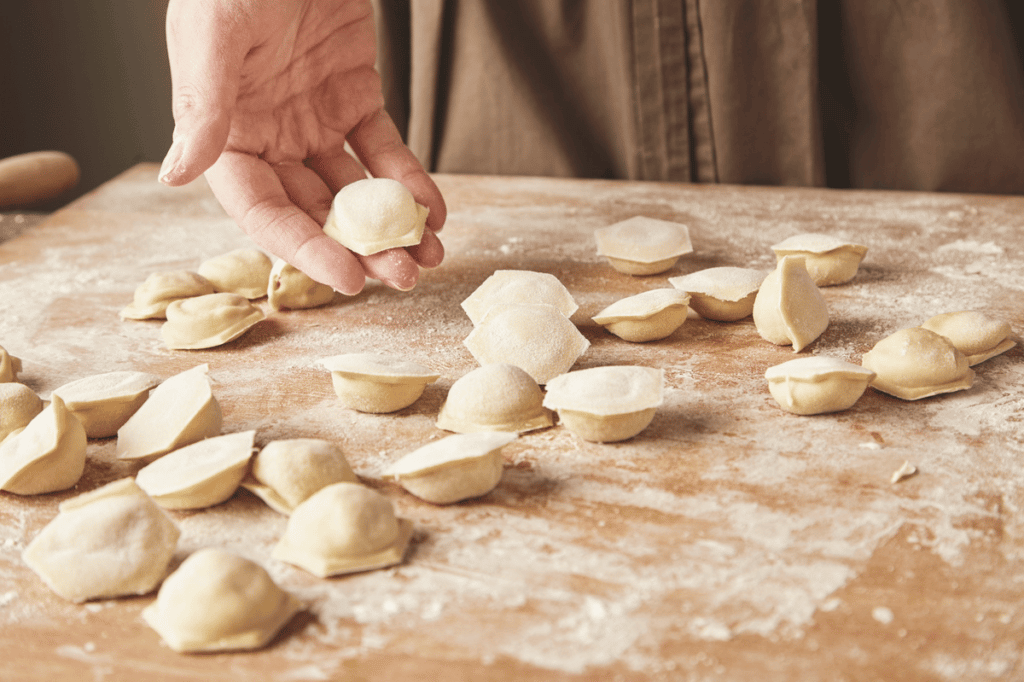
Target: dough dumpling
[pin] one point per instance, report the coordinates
(829, 260)
(496, 397)
(917, 363)
(161, 288)
(46, 456)
(452, 469)
(104, 402)
(199, 475)
(285, 473)
(518, 286)
(242, 271)
(647, 316)
(291, 288)
(377, 383)
(18, 405)
(643, 246)
(208, 321)
(10, 366)
(816, 385)
(975, 334)
(606, 404)
(789, 307)
(724, 294)
(375, 214)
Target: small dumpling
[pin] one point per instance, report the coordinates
(104, 402)
(518, 286)
(724, 294)
(606, 404)
(453, 469)
(285, 473)
(789, 307)
(208, 321)
(219, 601)
(829, 260)
(10, 366)
(46, 456)
(18, 405)
(110, 542)
(199, 475)
(647, 316)
(917, 363)
(344, 528)
(642, 245)
(975, 334)
(375, 214)
(242, 271)
(291, 288)
(377, 383)
(817, 384)
(498, 397)
(161, 288)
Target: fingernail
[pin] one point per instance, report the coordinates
(170, 164)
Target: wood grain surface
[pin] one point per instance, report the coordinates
(728, 541)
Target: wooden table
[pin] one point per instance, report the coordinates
(729, 541)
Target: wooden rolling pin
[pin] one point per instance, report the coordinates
(28, 179)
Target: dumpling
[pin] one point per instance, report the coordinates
(375, 383)
(104, 402)
(498, 397)
(219, 601)
(344, 528)
(208, 321)
(242, 271)
(817, 384)
(643, 246)
(18, 405)
(975, 334)
(724, 294)
(647, 316)
(789, 307)
(109, 542)
(829, 260)
(46, 456)
(293, 289)
(375, 214)
(285, 473)
(161, 288)
(10, 366)
(452, 469)
(917, 363)
(606, 404)
(199, 475)
(518, 286)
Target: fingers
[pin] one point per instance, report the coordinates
(429, 252)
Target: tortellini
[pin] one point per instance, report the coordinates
(46, 456)
(242, 271)
(104, 402)
(18, 405)
(917, 363)
(290, 288)
(377, 383)
(647, 316)
(606, 404)
(285, 473)
(789, 307)
(453, 469)
(162, 288)
(829, 260)
(975, 334)
(199, 475)
(723, 294)
(816, 385)
(642, 245)
(498, 397)
(518, 286)
(375, 214)
(208, 321)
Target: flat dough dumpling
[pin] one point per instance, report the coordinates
(817, 384)
(518, 286)
(19, 404)
(453, 469)
(377, 383)
(647, 316)
(179, 411)
(285, 473)
(110, 542)
(162, 288)
(344, 528)
(642, 245)
(10, 366)
(104, 402)
(242, 271)
(723, 294)
(46, 456)
(975, 334)
(606, 404)
(536, 338)
(829, 260)
(219, 601)
(292, 289)
(789, 307)
(917, 363)
(208, 321)
(375, 214)
(498, 397)
(199, 475)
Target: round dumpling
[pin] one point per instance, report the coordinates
(498, 397)
(375, 214)
(917, 363)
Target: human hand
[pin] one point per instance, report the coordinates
(265, 95)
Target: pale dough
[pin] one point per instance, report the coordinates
(377, 383)
(789, 307)
(518, 286)
(723, 294)
(375, 214)
(104, 402)
(286, 473)
(290, 288)
(917, 363)
(647, 316)
(498, 397)
(829, 260)
(606, 404)
(46, 456)
(642, 245)
(208, 321)
(242, 271)
(199, 475)
(161, 288)
(452, 469)
(975, 334)
(816, 385)
(10, 366)
(18, 405)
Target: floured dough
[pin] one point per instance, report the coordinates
(161, 288)
(518, 286)
(179, 411)
(917, 363)
(286, 473)
(643, 246)
(208, 321)
(46, 456)
(606, 404)
(452, 469)
(104, 402)
(291, 288)
(199, 475)
(817, 384)
(242, 271)
(219, 601)
(975, 334)
(375, 214)
(10, 366)
(18, 405)
(789, 307)
(647, 316)
(377, 383)
(109, 542)
(498, 397)
(829, 260)
(344, 528)
(724, 294)
(536, 338)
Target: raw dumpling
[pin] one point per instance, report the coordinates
(724, 294)
(455, 468)
(375, 214)
(378, 384)
(46, 456)
(242, 271)
(917, 363)
(606, 404)
(293, 289)
(199, 475)
(10, 366)
(18, 405)
(648, 316)
(643, 246)
(208, 321)
(816, 385)
(518, 286)
(789, 308)
(496, 397)
(104, 402)
(344, 528)
(286, 473)
(829, 260)
(109, 542)
(179, 411)
(976, 335)
(161, 288)
(219, 601)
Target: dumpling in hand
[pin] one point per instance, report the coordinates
(375, 214)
